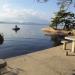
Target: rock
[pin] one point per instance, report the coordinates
(3, 63)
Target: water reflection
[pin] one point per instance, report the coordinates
(16, 31)
(28, 39)
(56, 40)
(1, 39)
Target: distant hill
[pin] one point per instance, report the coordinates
(26, 23)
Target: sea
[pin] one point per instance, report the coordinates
(30, 38)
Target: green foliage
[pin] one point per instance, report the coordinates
(63, 17)
(56, 20)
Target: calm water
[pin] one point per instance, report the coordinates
(28, 39)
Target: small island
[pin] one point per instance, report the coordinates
(62, 24)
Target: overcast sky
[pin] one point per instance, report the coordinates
(27, 10)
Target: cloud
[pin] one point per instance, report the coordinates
(8, 13)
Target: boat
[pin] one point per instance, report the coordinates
(16, 28)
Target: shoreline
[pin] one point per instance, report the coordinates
(52, 61)
(29, 53)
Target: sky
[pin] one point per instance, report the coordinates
(27, 11)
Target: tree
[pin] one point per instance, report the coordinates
(63, 17)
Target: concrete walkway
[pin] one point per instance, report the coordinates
(51, 61)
